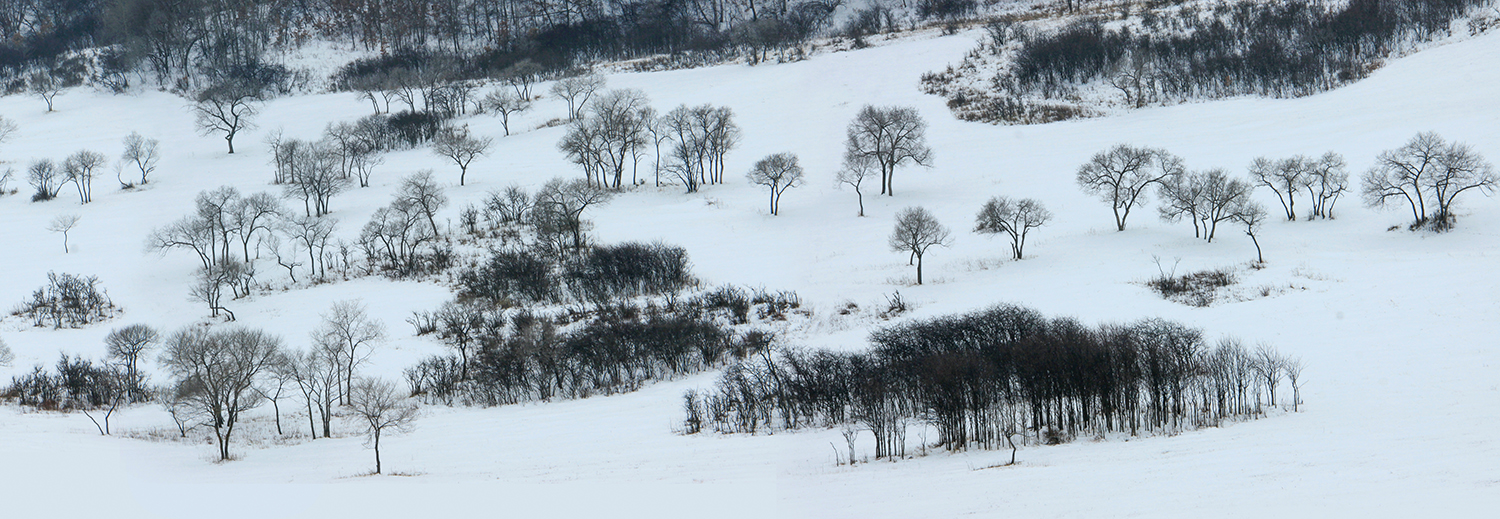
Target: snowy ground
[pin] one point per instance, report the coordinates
(1397, 329)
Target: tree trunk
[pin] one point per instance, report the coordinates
(377, 451)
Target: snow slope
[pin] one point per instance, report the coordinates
(1397, 329)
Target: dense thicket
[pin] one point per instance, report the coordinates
(518, 355)
(186, 43)
(1276, 49)
(997, 375)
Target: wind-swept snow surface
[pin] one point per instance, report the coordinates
(1402, 386)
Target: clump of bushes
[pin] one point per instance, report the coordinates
(1193, 289)
(67, 301)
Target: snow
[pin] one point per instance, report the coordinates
(1396, 328)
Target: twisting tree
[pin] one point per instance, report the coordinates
(227, 108)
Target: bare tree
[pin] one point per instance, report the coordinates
(506, 104)
(7, 129)
(890, 136)
(226, 108)
(778, 172)
(521, 75)
(222, 368)
(80, 169)
(62, 224)
(312, 234)
(1015, 218)
(1461, 169)
(576, 91)
(854, 173)
(1269, 366)
(1285, 177)
(1328, 181)
(143, 153)
(1182, 196)
(126, 345)
(1224, 198)
(313, 175)
(253, 216)
(458, 146)
(1402, 174)
(1253, 215)
(377, 402)
(1122, 174)
(42, 175)
(211, 281)
(1292, 367)
(346, 331)
(6, 356)
(568, 200)
(42, 84)
(917, 230)
(422, 193)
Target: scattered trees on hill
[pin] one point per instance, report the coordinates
(347, 333)
(1122, 175)
(1015, 218)
(985, 377)
(916, 231)
(889, 136)
(609, 136)
(778, 172)
(227, 108)
(1429, 174)
(217, 373)
(403, 238)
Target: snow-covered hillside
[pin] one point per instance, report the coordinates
(1396, 328)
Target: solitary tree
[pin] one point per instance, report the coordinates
(891, 137)
(62, 224)
(778, 172)
(377, 402)
(218, 371)
(505, 104)
(458, 146)
(916, 231)
(141, 152)
(856, 170)
(1015, 218)
(226, 108)
(42, 84)
(1122, 174)
(1253, 215)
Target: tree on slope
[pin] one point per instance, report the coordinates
(1121, 176)
(892, 137)
(916, 231)
(381, 408)
(1015, 218)
(219, 371)
(227, 108)
(458, 146)
(778, 172)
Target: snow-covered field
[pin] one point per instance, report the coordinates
(1397, 329)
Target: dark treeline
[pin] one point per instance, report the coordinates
(1276, 49)
(183, 41)
(1001, 375)
(519, 355)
